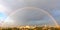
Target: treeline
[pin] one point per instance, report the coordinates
(36, 28)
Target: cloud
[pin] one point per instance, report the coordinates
(31, 15)
(45, 4)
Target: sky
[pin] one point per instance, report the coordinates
(28, 15)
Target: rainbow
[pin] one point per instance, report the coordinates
(12, 13)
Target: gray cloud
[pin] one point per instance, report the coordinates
(31, 14)
(45, 4)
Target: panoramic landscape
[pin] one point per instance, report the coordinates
(29, 14)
